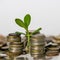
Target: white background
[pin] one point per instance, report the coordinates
(44, 13)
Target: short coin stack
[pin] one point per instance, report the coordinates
(52, 50)
(57, 38)
(37, 46)
(15, 44)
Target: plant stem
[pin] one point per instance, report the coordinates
(28, 38)
(28, 41)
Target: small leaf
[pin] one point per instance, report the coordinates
(20, 23)
(37, 30)
(20, 33)
(27, 20)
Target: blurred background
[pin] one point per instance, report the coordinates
(44, 13)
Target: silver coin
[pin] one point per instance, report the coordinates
(21, 58)
(38, 55)
(36, 48)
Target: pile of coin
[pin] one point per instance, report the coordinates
(37, 46)
(2, 58)
(21, 58)
(49, 39)
(15, 44)
(57, 38)
(52, 49)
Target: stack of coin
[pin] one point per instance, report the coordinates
(2, 58)
(12, 37)
(57, 38)
(49, 39)
(15, 48)
(37, 46)
(15, 44)
(52, 49)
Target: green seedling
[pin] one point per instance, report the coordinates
(25, 24)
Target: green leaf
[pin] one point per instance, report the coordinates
(20, 33)
(20, 23)
(27, 20)
(37, 30)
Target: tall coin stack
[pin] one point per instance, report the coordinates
(37, 46)
(15, 45)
